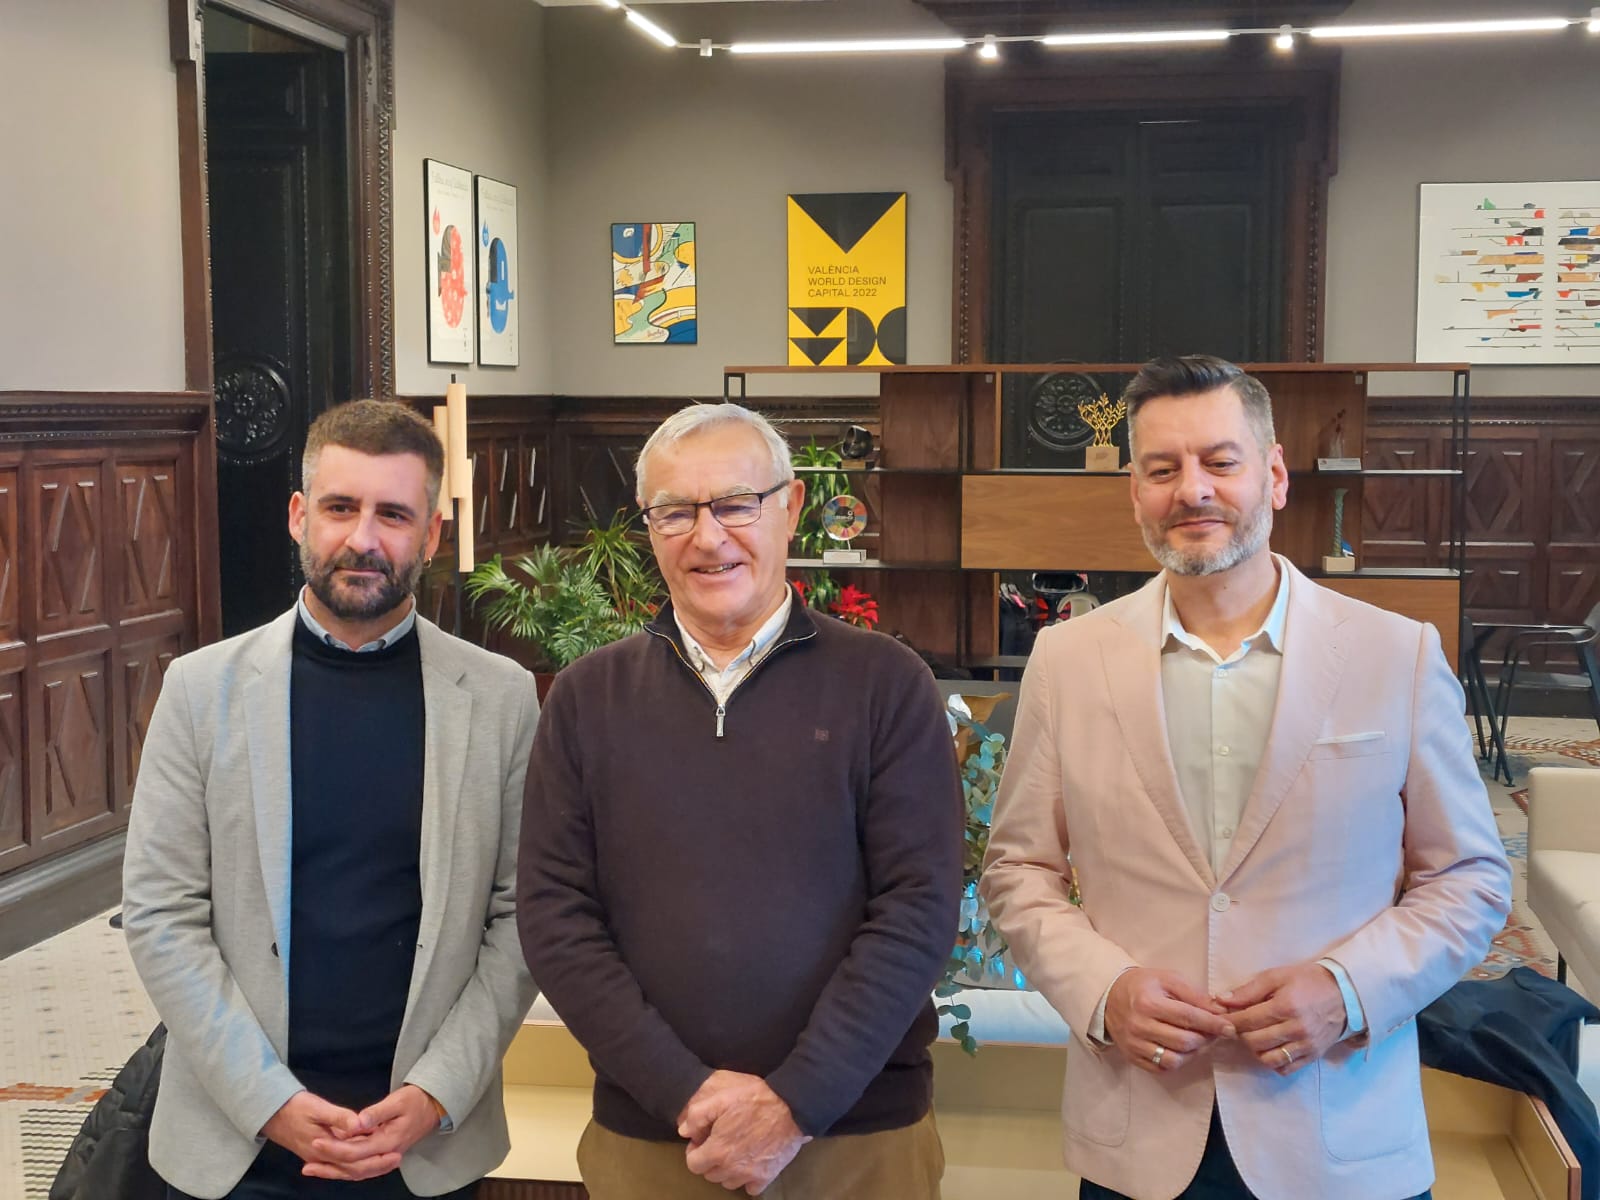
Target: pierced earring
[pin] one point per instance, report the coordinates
(427, 562)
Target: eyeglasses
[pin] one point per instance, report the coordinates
(679, 517)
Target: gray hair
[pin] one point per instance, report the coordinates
(699, 417)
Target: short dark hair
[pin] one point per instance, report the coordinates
(1194, 375)
(375, 427)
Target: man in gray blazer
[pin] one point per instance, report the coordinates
(320, 874)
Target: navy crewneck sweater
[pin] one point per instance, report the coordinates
(356, 726)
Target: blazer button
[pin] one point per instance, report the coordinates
(1220, 902)
(274, 949)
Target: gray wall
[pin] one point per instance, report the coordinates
(1456, 111)
(640, 133)
(91, 285)
(469, 90)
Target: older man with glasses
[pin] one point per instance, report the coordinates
(741, 861)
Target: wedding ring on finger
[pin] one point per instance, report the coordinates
(1157, 1056)
(1288, 1056)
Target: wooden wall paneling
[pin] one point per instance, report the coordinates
(144, 666)
(72, 700)
(14, 814)
(1507, 507)
(68, 541)
(1573, 586)
(1404, 521)
(10, 481)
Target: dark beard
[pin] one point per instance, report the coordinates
(359, 604)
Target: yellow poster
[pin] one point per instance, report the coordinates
(847, 279)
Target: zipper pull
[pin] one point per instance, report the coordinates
(722, 711)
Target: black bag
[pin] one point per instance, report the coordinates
(110, 1157)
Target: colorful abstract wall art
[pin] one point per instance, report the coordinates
(1509, 273)
(653, 284)
(847, 279)
(447, 206)
(497, 273)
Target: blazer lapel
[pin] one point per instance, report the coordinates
(1313, 665)
(448, 722)
(266, 696)
(1131, 657)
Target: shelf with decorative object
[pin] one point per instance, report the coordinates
(980, 470)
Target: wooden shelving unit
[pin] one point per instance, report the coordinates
(949, 515)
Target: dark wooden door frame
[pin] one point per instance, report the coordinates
(368, 29)
(1308, 86)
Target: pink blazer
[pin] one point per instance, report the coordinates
(1367, 837)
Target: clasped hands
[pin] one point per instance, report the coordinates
(741, 1133)
(338, 1143)
(1286, 1017)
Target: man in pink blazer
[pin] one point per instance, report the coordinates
(1281, 843)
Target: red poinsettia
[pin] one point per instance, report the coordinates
(855, 607)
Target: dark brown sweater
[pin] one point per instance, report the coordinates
(777, 901)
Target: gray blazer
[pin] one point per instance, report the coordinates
(206, 904)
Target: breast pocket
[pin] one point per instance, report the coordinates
(1350, 745)
(1098, 1095)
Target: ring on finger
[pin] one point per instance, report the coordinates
(1158, 1055)
(1288, 1056)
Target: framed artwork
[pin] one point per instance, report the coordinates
(653, 274)
(847, 279)
(1508, 272)
(497, 272)
(447, 205)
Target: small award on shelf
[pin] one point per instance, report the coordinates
(1334, 460)
(1102, 416)
(856, 449)
(843, 518)
(1342, 560)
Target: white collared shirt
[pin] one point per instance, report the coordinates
(1219, 713)
(722, 681)
(401, 627)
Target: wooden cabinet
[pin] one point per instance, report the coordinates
(951, 515)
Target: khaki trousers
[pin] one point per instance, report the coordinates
(897, 1164)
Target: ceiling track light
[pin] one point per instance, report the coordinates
(851, 46)
(1285, 38)
(1440, 28)
(987, 49)
(1594, 20)
(1153, 37)
(650, 28)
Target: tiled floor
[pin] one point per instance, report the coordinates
(72, 1008)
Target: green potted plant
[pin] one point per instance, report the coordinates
(567, 600)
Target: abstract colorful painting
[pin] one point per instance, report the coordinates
(653, 284)
(1509, 273)
(447, 205)
(497, 273)
(847, 279)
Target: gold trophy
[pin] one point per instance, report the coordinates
(1102, 416)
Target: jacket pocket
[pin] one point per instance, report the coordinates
(1371, 1101)
(1096, 1102)
(1350, 745)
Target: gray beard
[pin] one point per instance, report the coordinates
(1245, 542)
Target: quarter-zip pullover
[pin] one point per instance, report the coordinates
(778, 900)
